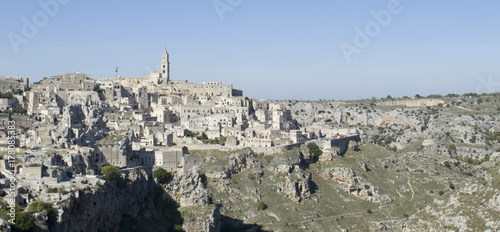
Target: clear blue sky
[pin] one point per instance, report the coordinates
(271, 49)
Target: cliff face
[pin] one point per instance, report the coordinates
(188, 189)
(140, 204)
(103, 208)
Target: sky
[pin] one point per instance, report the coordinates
(303, 50)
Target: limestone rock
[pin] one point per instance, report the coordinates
(189, 188)
(295, 187)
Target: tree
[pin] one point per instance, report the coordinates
(111, 173)
(189, 133)
(314, 148)
(222, 140)
(24, 222)
(162, 176)
(17, 92)
(203, 136)
(44, 206)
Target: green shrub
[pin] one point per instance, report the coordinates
(62, 190)
(51, 190)
(452, 147)
(162, 176)
(24, 222)
(261, 205)
(111, 173)
(314, 148)
(178, 228)
(441, 193)
(447, 164)
(203, 136)
(44, 206)
(189, 133)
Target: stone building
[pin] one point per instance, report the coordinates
(175, 159)
(10, 84)
(67, 82)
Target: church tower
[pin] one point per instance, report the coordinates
(165, 67)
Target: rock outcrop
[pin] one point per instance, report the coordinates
(189, 188)
(295, 186)
(80, 124)
(355, 185)
(104, 207)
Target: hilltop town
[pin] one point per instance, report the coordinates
(242, 164)
(145, 121)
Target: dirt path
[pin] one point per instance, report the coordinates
(411, 188)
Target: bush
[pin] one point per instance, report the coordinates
(452, 186)
(62, 191)
(447, 164)
(162, 176)
(44, 206)
(24, 222)
(111, 173)
(261, 205)
(178, 228)
(203, 136)
(441, 193)
(452, 147)
(189, 133)
(51, 190)
(314, 148)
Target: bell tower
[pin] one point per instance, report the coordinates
(165, 67)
